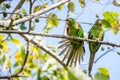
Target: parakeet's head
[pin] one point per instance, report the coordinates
(70, 21)
(99, 22)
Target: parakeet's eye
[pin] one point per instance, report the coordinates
(99, 22)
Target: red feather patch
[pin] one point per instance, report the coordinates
(67, 29)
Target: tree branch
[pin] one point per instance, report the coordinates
(26, 57)
(22, 68)
(11, 76)
(17, 8)
(39, 13)
(6, 23)
(60, 36)
(37, 43)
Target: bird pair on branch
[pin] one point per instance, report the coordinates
(74, 50)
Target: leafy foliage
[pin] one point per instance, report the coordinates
(112, 18)
(37, 8)
(102, 74)
(52, 21)
(71, 6)
(75, 74)
(40, 65)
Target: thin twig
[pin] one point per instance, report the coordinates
(103, 55)
(5, 38)
(26, 57)
(30, 11)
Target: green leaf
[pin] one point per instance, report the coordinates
(16, 64)
(32, 65)
(1, 46)
(102, 74)
(24, 11)
(2, 59)
(71, 6)
(106, 24)
(102, 48)
(27, 71)
(104, 71)
(4, 46)
(45, 5)
(37, 8)
(118, 52)
(82, 3)
(53, 20)
(112, 18)
(45, 78)
(60, 7)
(17, 70)
(8, 63)
(20, 55)
(76, 74)
(15, 40)
(115, 28)
(2, 36)
(22, 26)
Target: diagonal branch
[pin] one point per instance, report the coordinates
(17, 8)
(37, 43)
(6, 23)
(40, 12)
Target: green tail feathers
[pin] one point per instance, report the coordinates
(91, 61)
(73, 54)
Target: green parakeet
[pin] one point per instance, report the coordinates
(96, 33)
(73, 50)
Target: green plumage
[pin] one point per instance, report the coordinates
(96, 33)
(73, 50)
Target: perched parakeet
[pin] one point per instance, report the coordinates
(73, 50)
(96, 33)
